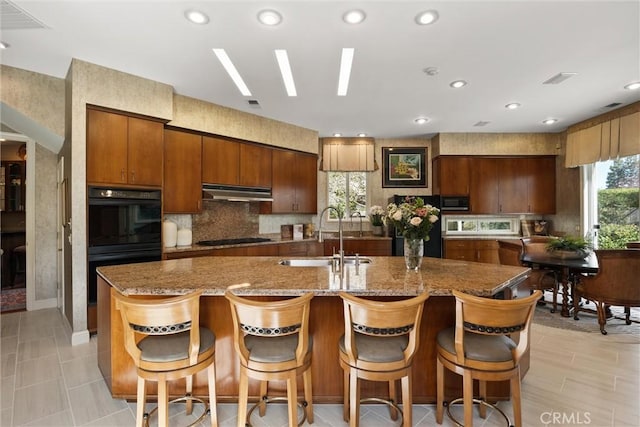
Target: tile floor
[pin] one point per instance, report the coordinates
(576, 378)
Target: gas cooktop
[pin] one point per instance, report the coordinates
(239, 241)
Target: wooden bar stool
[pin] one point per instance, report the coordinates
(272, 341)
(380, 340)
(479, 347)
(166, 342)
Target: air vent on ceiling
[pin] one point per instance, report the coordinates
(558, 78)
(481, 123)
(613, 105)
(254, 103)
(14, 18)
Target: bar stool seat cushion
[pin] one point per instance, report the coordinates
(168, 348)
(483, 348)
(270, 349)
(378, 349)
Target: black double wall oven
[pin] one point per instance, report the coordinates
(124, 227)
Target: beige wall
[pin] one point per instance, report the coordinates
(46, 223)
(497, 144)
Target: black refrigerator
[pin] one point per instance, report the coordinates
(433, 247)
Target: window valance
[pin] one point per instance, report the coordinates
(348, 155)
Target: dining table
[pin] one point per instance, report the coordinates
(567, 269)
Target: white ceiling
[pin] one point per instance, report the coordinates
(504, 49)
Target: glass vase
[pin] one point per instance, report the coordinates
(413, 252)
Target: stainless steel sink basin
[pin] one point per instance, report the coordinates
(320, 262)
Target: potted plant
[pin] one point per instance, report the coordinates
(569, 247)
(376, 216)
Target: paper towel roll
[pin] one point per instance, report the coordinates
(169, 234)
(184, 237)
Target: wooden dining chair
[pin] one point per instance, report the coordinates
(166, 342)
(379, 342)
(543, 279)
(272, 341)
(616, 283)
(481, 347)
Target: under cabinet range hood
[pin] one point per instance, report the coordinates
(234, 193)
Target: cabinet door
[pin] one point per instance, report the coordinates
(454, 175)
(182, 172)
(463, 250)
(513, 185)
(255, 165)
(487, 251)
(220, 161)
(283, 185)
(106, 147)
(145, 142)
(542, 185)
(13, 186)
(484, 186)
(306, 181)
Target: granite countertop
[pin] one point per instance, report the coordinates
(384, 276)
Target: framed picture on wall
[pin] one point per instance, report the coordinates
(404, 167)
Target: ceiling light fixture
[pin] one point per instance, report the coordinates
(558, 78)
(354, 16)
(269, 17)
(196, 17)
(512, 106)
(232, 71)
(4, 45)
(362, 134)
(427, 17)
(633, 86)
(285, 71)
(345, 70)
(549, 121)
(421, 120)
(458, 84)
(337, 134)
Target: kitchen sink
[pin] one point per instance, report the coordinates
(321, 262)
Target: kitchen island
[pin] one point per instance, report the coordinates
(384, 278)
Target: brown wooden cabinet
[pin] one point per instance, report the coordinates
(513, 185)
(229, 162)
(294, 183)
(13, 186)
(475, 250)
(366, 247)
(182, 172)
(451, 175)
(123, 150)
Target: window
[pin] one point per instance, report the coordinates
(347, 192)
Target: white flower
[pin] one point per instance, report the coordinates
(415, 221)
(433, 218)
(397, 215)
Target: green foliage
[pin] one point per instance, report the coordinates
(351, 185)
(616, 204)
(615, 236)
(569, 243)
(624, 173)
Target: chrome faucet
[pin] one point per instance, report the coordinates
(359, 215)
(320, 239)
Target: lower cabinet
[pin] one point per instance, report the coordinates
(475, 250)
(368, 247)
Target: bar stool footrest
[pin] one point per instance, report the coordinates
(206, 410)
(268, 400)
(475, 401)
(391, 403)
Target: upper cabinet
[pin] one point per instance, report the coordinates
(123, 149)
(513, 185)
(294, 183)
(12, 186)
(182, 172)
(451, 176)
(230, 162)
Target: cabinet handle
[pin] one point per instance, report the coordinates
(122, 175)
(133, 176)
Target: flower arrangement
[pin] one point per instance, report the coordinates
(412, 218)
(376, 215)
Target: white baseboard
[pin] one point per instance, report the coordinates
(81, 337)
(43, 303)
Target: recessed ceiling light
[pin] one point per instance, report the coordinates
(362, 134)
(196, 17)
(269, 17)
(427, 17)
(512, 106)
(421, 120)
(285, 71)
(633, 86)
(4, 45)
(458, 84)
(345, 70)
(232, 71)
(337, 134)
(354, 16)
(549, 121)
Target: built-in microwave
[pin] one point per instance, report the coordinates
(454, 203)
